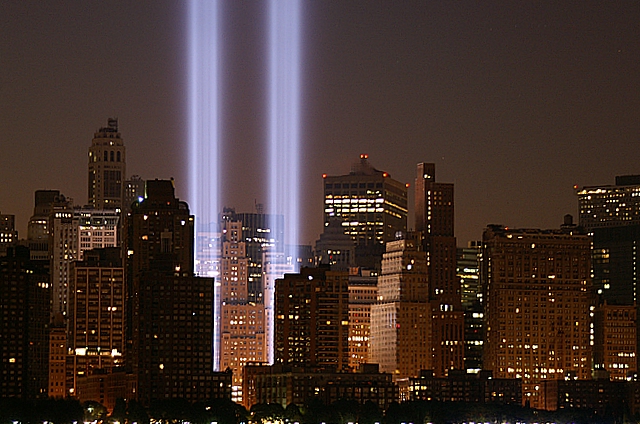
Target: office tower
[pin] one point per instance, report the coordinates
(468, 273)
(363, 293)
(25, 308)
(259, 232)
(274, 265)
(38, 227)
(615, 344)
(434, 217)
(334, 247)
(400, 338)
(371, 207)
(312, 319)
(537, 297)
(74, 230)
(242, 322)
(63, 250)
(58, 359)
(615, 264)
(610, 205)
(96, 313)
(8, 233)
(107, 168)
(133, 192)
(97, 229)
(170, 320)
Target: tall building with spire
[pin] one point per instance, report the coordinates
(434, 217)
(107, 167)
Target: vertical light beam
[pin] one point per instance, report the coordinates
(284, 138)
(204, 136)
(284, 114)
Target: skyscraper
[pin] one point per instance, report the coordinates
(371, 207)
(538, 300)
(400, 339)
(468, 274)
(312, 319)
(96, 312)
(434, 217)
(107, 167)
(25, 308)
(170, 317)
(242, 320)
(610, 205)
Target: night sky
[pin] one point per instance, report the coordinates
(515, 102)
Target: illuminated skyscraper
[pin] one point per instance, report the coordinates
(38, 228)
(610, 205)
(96, 313)
(537, 299)
(363, 293)
(434, 217)
(468, 272)
(371, 207)
(400, 338)
(242, 320)
(107, 168)
(615, 344)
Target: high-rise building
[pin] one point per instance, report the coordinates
(96, 313)
(615, 344)
(334, 247)
(616, 263)
(537, 297)
(610, 205)
(107, 168)
(133, 192)
(38, 229)
(400, 340)
(468, 273)
(8, 233)
(371, 207)
(258, 232)
(312, 319)
(25, 308)
(274, 266)
(74, 230)
(434, 217)
(242, 321)
(170, 319)
(363, 293)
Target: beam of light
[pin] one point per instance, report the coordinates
(204, 136)
(284, 126)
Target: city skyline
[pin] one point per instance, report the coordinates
(514, 104)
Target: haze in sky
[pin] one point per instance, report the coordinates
(514, 103)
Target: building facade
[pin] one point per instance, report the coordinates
(25, 309)
(400, 340)
(107, 168)
(312, 319)
(171, 314)
(434, 217)
(538, 305)
(371, 207)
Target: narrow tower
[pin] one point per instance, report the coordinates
(107, 168)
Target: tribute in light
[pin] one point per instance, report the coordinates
(284, 114)
(204, 136)
(284, 146)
